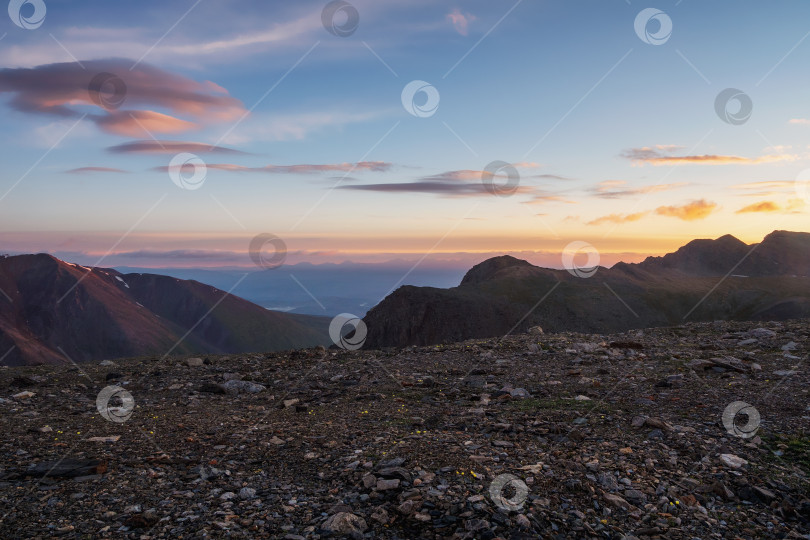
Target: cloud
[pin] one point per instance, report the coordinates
(549, 197)
(284, 127)
(689, 212)
(615, 189)
(661, 155)
(550, 177)
(460, 183)
(170, 147)
(63, 90)
(803, 121)
(141, 123)
(617, 218)
(764, 206)
(460, 20)
(767, 188)
(374, 166)
(82, 170)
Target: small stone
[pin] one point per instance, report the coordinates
(387, 484)
(522, 521)
(733, 461)
(291, 402)
(247, 493)
(521, 393)
(345, 523)
(617, 501)
(24, 395)
(235, 387)
(369, 481)
(194, 362)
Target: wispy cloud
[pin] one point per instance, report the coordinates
(661, 155)
(284, 127)
(459, 183)
(801, 121)
(617, 189)
(82, 170)
(64, 89)
(374, 166)
(689, 212)
(170, 147)
(767, 188)
(618, 218)
(460, 20)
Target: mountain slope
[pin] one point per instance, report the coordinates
(53, 312)
(703, 280)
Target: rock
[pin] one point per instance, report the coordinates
(68, 468)
(657, 423)
(345, 523)
(369, 481)
(617, 501)
(407, 508)
(719, 488)
(24, 395)
(380, 515)
(765, 494)
(212, 388)
(387, 484)
(247, 493)
(536, 331)
(107, 363)
(762, 333)
(235, 387)
(733, 461)
(700, 364)
(635, 497)
(522, 521)
(291, 402)
(108, 439)
(521, 393)
(194, 362)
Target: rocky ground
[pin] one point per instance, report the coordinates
(619, 436)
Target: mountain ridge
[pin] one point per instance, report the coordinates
(52, 311)
(706, 279)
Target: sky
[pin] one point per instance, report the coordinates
(170, 134)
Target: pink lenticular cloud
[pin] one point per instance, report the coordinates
(142, 123)
(374, 166)
(63, 90)
(170, 147)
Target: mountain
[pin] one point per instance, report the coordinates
(702, 281)
(54, 312)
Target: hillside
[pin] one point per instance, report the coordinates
(605, 436)
(56, 312)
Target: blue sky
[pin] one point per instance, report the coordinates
(617, 141)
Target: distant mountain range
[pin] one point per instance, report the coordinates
(54, 312)
(323, 289)
(703, 280)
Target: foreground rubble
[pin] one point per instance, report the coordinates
(537, 435)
